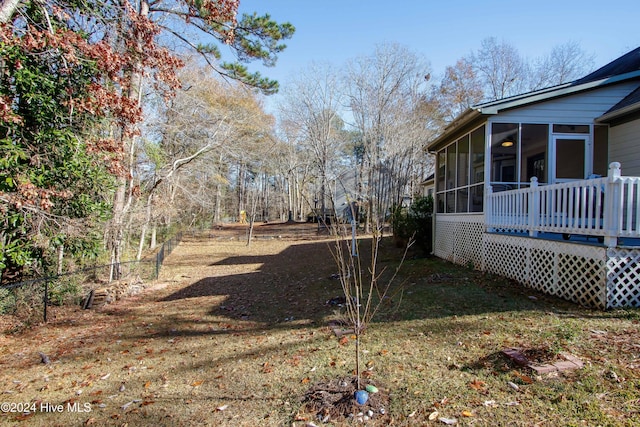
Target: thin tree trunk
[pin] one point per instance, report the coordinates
(124, 191)
(252, 216)
(60, 258)
(154, 236)
(145, 225)
(218, 204)
(7, 8)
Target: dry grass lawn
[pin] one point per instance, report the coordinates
(232, 335)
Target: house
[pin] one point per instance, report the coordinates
(544, 187)
(428, 186)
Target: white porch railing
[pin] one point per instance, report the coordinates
(607, 207)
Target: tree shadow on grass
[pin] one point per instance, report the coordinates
(293, 284)
(296, 284)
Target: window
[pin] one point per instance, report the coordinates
(534, 154)
(571, 129)
(463, 162)
(451, 167)
(476, 196)
(518, 153)
(477, 156)
(440, 181)
(504, 156)
(442, 156)
(460, 174)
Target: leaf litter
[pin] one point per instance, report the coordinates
(192, 339)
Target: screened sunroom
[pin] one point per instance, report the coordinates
(533, 187)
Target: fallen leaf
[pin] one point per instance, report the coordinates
(441, 403)
(433, 415)
(305, 380)
(23, 417)
(147, 384)
(467, 414)
(477, 384)
(343, 340)
(526, 379)
(197, 383)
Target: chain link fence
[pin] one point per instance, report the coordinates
(27, 299)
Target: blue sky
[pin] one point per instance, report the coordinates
(442, 31)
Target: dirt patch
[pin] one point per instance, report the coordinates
(541, 355)
(334, 401)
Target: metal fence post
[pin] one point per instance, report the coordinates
(45, 299)
(159, 257)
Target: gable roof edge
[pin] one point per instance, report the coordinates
(495, 107)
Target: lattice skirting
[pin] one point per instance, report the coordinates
(590, 275)
(623, 277)
(459, 239)
(573, 272)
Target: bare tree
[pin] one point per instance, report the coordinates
(294, 166)
(459, 89)
(384, 90)
(502, 69)
(504, 72)
(565, 63)
(312, 106)
(207, 122)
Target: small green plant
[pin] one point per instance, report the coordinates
(7, 301)
(64, 290)
(414, 222)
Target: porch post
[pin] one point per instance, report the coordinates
(488, 208)
(612, 206)
(534, 207)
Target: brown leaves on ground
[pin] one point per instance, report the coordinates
(478, 385)
(239, 335)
